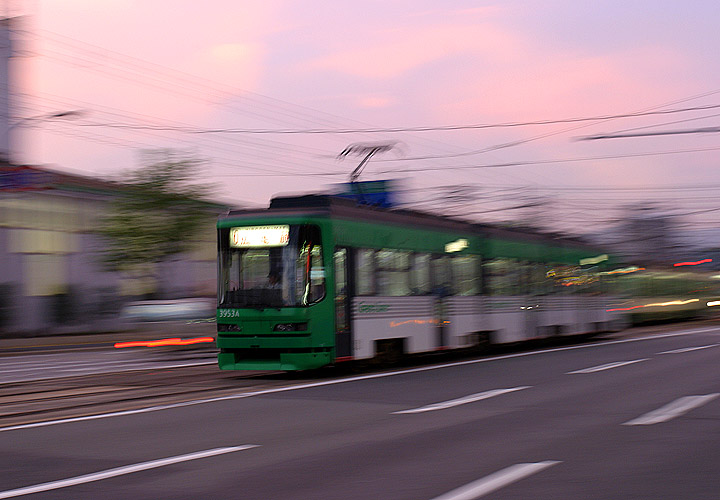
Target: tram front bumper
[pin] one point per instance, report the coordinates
(264, 341)
(286, 351)
(274, 359)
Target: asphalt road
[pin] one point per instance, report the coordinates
(633, 418)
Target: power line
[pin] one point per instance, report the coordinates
(400, 129)
(229, 145)
(197, 86)
(674, 122)
(544, 162)
(702, 130)
(96, 59)
(227, 150)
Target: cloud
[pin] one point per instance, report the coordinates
(372, 101)
(525, 85)
(238, 64)
(395, 52)
(230, 53)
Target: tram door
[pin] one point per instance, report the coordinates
(531, 299)
(343, 334)
(441, 276)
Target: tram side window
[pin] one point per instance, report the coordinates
(441, 275)
(591, 282)
(540, 284)
(522, 280)
(504, 276)
(393, 276)
(555, 274)
(565, 279)
(421, 284)
(526, 278)
(465, 275)
(310, 272)
(365, 271)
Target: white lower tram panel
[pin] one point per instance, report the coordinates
(428, 323)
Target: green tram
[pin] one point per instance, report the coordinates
(314, 280)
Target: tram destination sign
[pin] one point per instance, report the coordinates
(259, 236)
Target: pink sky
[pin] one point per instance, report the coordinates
(297, 65)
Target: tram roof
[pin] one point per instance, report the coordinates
(344, 208)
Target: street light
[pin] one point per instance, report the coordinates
(29, 121)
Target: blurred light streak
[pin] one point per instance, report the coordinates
(594, 260)
(163, 342)
(624, 270)
(394, 324)
(656, 304)
(704, 261)
(713, 303)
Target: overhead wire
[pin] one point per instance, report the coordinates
(318, 169)
(335, 131)
(74, 44)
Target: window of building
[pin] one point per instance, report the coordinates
(45, 274)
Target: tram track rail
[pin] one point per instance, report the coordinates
(70, 397)
(93, 394)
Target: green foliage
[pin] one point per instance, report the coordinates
(157, 213)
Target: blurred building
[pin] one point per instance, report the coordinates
(51, 276)
(646, 234)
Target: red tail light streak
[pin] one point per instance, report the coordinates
(163, 342)
(696, 263)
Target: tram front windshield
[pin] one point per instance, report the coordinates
(270, 266)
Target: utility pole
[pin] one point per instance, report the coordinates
(6, 51)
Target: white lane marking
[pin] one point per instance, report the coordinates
(119, 471)
(350, 379)
(461, 401)
(495, 481)
(607, 366)
(689, 349)
(672, 410)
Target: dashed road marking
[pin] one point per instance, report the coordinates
(495, 481)
(607, 366)
(120, 471)
(462, 401)
(689, 349)
(672, 410)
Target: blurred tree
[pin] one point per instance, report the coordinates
(156, 215)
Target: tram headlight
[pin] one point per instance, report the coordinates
(291, 327)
